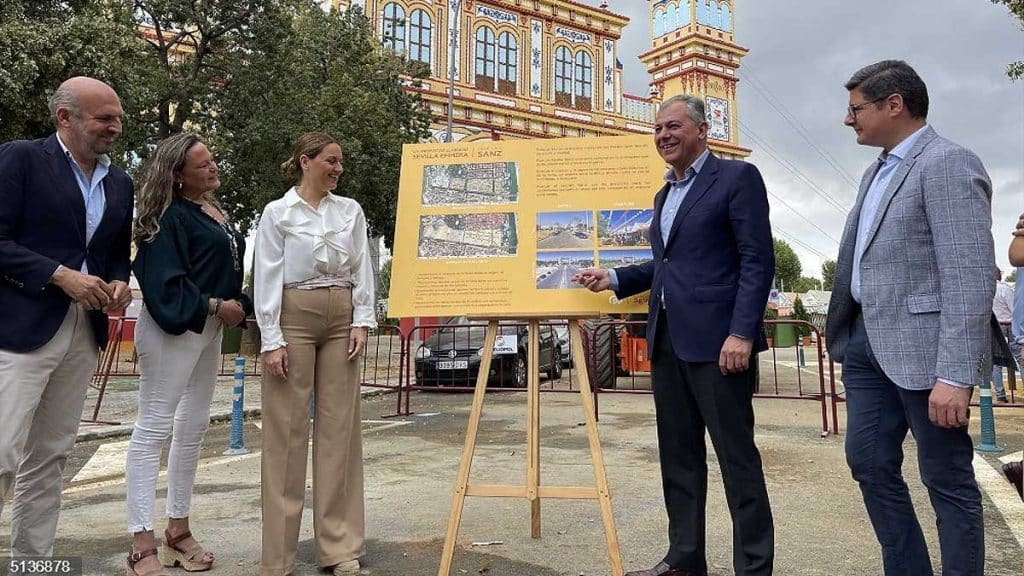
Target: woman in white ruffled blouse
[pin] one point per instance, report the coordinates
(314, 300)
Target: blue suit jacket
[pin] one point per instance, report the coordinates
(42, 225)
(716, 269)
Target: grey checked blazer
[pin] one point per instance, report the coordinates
(928, 270)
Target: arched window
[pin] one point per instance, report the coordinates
(420, 36)
(394, 28)
(485, 61)
(563, 77)
(726, 18)
(684, 7)
(508, 51)
(659, 23)
(583, 86)
(703, 12)
(677, 16)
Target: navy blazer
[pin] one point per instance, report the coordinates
(42, 225)
(717, 268)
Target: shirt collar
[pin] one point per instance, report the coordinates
(102, 160)
(901, 150)
(291, 198)
(697, 166)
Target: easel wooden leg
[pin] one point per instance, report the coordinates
(603, 494)
(466, 462)
(533, 428)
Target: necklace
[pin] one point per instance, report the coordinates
(222, 222)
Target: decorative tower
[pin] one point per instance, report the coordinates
(693, 52)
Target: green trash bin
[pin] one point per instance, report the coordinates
(231, 341)
(785, 335)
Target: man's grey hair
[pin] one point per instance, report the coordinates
(63, 98)
(694, 107)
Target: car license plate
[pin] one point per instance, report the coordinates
(452, 364)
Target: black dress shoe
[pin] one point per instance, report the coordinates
(663, 569)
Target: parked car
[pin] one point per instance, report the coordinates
(451, 356)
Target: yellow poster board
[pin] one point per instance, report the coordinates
(498, 228)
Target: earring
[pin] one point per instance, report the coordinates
(177, 186)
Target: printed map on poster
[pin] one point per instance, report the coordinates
(501, 227)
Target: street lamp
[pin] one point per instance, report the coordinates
(455, 9)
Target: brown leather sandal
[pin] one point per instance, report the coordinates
(135, 557)
(191, 560)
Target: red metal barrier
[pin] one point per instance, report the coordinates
(104, 362)
(611, 341)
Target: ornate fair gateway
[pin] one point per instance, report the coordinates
(550, 68)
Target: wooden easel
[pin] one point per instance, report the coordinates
(533, 491)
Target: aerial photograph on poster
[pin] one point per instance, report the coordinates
(616, 258)
(624, 227)
(565, 230)
(468, 235)
(462, 184)
(555, 270)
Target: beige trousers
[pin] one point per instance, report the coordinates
(316, 325)
(41, 397)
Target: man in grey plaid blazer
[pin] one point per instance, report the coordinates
(910, 320)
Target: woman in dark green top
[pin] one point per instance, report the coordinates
(189, 267)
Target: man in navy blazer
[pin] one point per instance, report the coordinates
(65, 237)
(709, 280)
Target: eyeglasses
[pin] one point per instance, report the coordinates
(852, 109)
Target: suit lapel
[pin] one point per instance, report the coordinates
(897, 181)
(705, 178)
(111, 194)
(66, 184)
(655, 230)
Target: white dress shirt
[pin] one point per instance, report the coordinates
(1002, 304)
(296, 243)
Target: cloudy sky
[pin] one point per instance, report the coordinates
(801, 54)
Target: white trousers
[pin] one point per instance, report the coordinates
(178, 375)
(41, 397)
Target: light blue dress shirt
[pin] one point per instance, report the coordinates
(93, 193)
(889, 163)
(678, 189)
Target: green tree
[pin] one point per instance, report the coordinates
(787, 266)
(1015, 70)
(828, 274)
(800, 313)
(804, 284)
(384, 283)
(44, 43)
(1012, 277)
(322, 72)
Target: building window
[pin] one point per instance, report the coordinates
(726, 18)
(394, 28)
(508, 50)
(583, 86)
(660, 23)
(563, 77)
(485, 59)
(420, 36)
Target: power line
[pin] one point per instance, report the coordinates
(792, 169)
(792, 238)
(798, 126)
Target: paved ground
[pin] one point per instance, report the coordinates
(411, 464)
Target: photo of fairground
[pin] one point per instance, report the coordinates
(453, 184)
(624, 227)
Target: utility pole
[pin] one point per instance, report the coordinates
(455, 7)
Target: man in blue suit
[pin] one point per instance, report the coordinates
(709, 280)
(65, 236)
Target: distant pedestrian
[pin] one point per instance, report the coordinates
(1002, 307)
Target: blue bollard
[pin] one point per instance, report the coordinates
(988, 420)
(236, 445)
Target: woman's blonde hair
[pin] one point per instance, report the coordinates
(308, 144)
(157, 189)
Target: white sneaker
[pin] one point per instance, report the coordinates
(347, 568)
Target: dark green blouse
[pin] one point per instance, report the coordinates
(188, 262)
